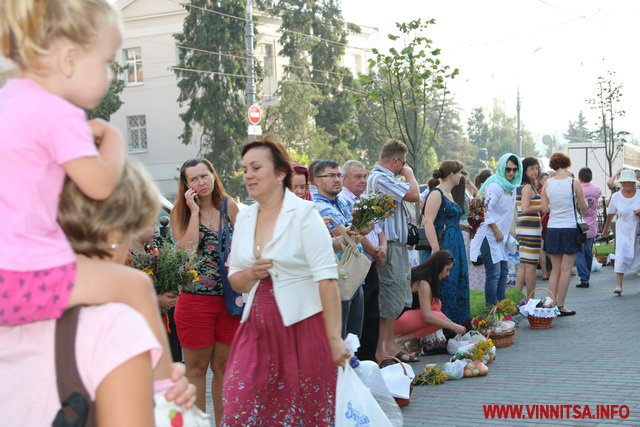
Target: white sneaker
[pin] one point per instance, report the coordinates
(168, 414)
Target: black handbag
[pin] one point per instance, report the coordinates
(581, 226)
(423, 243)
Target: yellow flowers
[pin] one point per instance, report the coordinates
(147, 271)
(194, 273)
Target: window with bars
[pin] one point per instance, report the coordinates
(133, 64)
(137, 133)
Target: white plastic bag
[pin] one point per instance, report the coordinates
(369, 373)
(454, 370)
(355, 406)
(595, 265)
(458, 341)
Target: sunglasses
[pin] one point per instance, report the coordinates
(514, 170)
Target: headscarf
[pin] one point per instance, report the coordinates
(301, 170)
(500, 179)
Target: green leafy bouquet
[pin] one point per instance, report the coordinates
(171, 268)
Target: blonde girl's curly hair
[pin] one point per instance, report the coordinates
(131, 209)
(29, 28)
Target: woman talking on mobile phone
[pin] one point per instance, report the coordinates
(204, 327)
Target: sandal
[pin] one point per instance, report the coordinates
(617, 291)
(406, 358)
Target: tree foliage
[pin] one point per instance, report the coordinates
(451, 140)
(606, 103)
(500, 132)
(313, 39)
(404, 83)
(212, 88)
(111, 101)
(577, 131)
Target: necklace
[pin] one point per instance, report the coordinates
(207, 222)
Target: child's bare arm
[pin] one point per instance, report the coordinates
(97, 177)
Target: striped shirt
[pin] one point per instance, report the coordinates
(382, 181)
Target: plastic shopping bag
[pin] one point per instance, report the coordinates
(355, 405)
(458, 341)
(454, 370)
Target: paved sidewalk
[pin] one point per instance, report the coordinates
(587, 359)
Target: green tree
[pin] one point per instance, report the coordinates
(452, 143)
(314, 35)
(502, 134)
(212, 85)
(404, 82)
(577, 131)
(477, 128)
(111, 101)
(606, 103)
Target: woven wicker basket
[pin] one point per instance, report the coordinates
(503, 339)
(400, 401)
(541, 322)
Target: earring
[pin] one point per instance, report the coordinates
(114, 246)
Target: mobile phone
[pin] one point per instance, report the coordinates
(195, 198)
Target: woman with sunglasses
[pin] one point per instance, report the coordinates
(499, 192)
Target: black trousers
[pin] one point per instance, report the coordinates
(371, 320)
(174, 343)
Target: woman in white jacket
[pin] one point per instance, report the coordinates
(282, 364)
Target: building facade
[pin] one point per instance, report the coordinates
(149, 117)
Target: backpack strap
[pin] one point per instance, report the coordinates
(77, 408)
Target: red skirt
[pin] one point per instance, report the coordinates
(276, 374)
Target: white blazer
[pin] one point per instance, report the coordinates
(300, 250)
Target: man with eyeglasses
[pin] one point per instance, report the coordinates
(328, 179)
(394, 276)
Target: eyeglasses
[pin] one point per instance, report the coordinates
(514, 170)
(330, 176)
(404, 162)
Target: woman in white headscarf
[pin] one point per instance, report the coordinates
(499, 192)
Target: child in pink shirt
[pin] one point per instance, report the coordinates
(63, 50)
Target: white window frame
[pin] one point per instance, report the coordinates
(132, 65)
(139, 131)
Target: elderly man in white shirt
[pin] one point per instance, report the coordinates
(354, 183)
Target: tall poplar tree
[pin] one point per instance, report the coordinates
(313, 39)
(212, 85)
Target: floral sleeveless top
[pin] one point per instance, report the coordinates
(209, 257)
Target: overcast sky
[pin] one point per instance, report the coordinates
(553, 50)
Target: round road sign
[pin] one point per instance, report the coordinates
(255, 114)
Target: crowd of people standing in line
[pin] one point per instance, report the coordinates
(285, 250)
(59, 254)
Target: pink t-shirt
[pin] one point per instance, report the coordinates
(592, 195)
(107, 336)
(40, 132)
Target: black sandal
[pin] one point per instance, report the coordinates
(406, 358)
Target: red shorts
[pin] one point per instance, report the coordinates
(202, 320)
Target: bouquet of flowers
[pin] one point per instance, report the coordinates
(475, 217)
(371, 209)
(171, 268)
(505, 309)
(431, 375)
